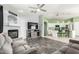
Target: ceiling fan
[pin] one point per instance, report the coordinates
(38, 8)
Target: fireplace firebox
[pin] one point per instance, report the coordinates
(13, 33)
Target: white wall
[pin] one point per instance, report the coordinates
(7, 27)
(22, 29)
(75, 32)
(76, 28)
(22, 23)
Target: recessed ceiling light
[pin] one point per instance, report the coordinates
(21, 11)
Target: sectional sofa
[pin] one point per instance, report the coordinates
(14, 46)
(20, 46)
(71, 48)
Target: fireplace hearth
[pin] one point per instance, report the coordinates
(13, 33)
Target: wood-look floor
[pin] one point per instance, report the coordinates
(44, 45)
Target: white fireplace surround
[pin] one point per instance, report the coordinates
(21, 23)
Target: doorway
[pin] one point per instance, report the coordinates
(45, 28)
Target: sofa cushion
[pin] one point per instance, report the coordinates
(73, 45)
(19, 49)
(8, 39)
(2, 39)
(6, 47)
(63, 49)
(18, 43)
(71, 51)
(20, 46)
(22, 50)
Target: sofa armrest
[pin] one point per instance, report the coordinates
(74, 41)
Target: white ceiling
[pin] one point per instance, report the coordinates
(63, 10)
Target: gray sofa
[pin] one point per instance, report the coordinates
(71, 48)
(16, 46)
(20, 46)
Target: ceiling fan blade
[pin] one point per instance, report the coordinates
(43, 10)
(42, 5)
(33, 7)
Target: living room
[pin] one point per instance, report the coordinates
(45, 27)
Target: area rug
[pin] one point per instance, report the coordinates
(44, 45)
